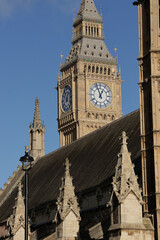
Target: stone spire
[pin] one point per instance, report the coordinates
(37, 119)
(37, 131)
(67, 200)
(68, 212)
(125, 179)
(126, 201)
(17, 219)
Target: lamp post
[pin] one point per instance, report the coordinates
(26, 161)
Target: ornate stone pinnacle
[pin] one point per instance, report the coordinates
(67, 199)
(67, 165)
(125, 179)
(124, 138)
(124, 142)
(20, 187)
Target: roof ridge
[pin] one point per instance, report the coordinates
(108, 124)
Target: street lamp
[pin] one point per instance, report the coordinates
(26, 161)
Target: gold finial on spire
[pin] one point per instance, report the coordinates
(101, 10)
(74, 14)
(26, 149)
(115, 49)
(61, 56)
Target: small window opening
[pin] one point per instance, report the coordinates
(92, 31)
(101, 70)
(86, 30)
(97, 69)
(97, 31)
(89, 30)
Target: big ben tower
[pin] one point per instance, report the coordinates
(89, 88)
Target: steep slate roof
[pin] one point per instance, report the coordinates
(87, 11)
(93, 158)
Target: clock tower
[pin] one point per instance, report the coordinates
(89, 88)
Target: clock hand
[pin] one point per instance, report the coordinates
(99, 92)
(98, 89)
(100, 96)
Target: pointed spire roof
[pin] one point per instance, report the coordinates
(67, 199)
(37, 118)
(125, 179)
(87, 11)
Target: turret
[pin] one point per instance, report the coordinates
(37, 131)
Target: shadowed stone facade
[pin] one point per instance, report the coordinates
(149, 83)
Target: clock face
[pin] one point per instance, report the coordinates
(66, 98)
(100, 95)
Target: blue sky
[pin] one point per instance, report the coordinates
(33, 33)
